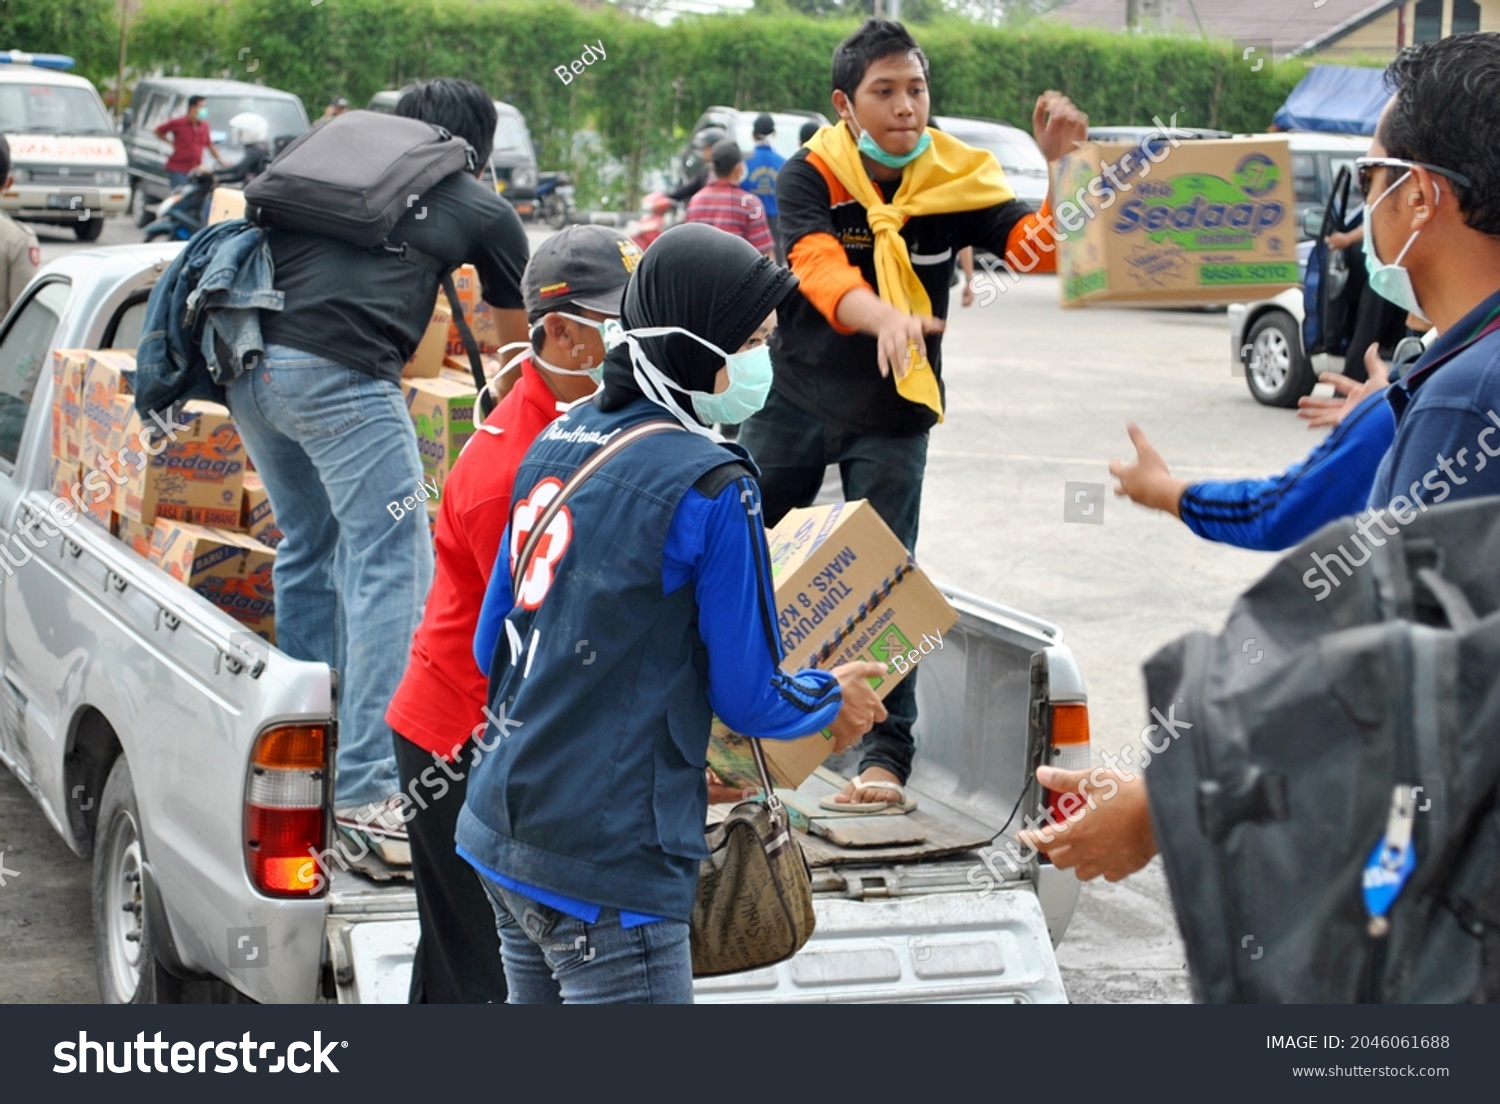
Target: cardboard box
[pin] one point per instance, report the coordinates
(62, 477)
(137, 535)
(427, 361)
(479, 314)
(1211, 221)
(231, 570)
(443, 411)
(226, 204)
(108, 377)
(258, 520)
(846, 590)
(198, 478)
(68, 368)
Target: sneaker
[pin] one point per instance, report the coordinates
(381, 824)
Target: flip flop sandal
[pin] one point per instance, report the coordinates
(900, 806)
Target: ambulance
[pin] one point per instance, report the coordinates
(67, 162)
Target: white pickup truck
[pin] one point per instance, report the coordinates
(172, 751)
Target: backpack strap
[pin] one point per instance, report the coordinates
(444, 272)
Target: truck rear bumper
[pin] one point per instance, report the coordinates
(962, 947)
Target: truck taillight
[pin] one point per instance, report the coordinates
(1070, 747)
(285, 794)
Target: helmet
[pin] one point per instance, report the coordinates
(709, 136)
(248, 127)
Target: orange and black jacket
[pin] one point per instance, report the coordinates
(831, 371)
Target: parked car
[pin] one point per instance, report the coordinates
(1316, 161)
(1283, 343)
(737, 123)
(513, 168)
(1022, 159)
(67, 160)
(157, 99)
(189, 761)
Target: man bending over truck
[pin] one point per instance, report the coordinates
(324, 419)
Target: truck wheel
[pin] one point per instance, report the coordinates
(139, 205)
(1277, 370)
(90, 228)
(124, 946)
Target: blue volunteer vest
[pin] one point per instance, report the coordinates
(597, 790)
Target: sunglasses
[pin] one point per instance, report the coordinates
(1366, 166)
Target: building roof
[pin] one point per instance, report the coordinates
(1291, 27)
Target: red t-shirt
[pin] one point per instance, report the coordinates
(441, 699)
(190, 137)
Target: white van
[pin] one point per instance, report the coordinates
(66, 160)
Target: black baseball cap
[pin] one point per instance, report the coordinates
(579, 266)
(763, 126)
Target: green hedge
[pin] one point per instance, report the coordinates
(654, 81)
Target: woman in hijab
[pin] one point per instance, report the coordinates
(645, 609)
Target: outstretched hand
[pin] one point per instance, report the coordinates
(1148, 481)
(1320, 412)
(1058, 125)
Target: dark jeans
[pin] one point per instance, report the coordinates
(792, 448)
(176, 179)
(458, 958)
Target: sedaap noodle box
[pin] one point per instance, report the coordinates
(197, 478)
(1200, 221)
(231, 570)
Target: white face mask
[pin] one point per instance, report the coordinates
(655, 384)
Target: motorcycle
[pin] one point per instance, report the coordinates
(555, 203)
(183, 213)
(657, 214)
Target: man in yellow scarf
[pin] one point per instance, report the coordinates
(874, 211)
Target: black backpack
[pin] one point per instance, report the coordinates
(1312, 736)
(353, 178)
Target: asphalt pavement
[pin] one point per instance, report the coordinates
(1038, 400)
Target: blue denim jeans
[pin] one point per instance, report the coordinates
(334, 447)
(793, 448)
(553, 958)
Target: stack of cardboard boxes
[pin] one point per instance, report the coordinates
(197, 508)
(439, 384)
(187, 507)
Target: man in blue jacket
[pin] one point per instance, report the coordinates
(761, 170)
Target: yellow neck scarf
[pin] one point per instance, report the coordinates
(948, 177)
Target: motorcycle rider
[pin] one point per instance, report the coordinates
(250, 131)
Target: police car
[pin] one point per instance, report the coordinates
(67, 163)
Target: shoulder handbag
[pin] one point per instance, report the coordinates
(754, 901)
(754, 905)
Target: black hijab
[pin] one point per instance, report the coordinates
(702, 279)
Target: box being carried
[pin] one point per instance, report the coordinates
(197, 478)
(231, 570)
(1160, 222)
(846, 590)
(443, 411)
